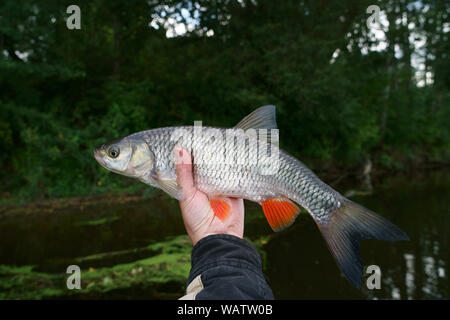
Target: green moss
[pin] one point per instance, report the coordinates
(162, 275)
(97, 222)
(171, 265)
(24, 283)
(5, 270)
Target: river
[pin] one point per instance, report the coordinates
(297, 262)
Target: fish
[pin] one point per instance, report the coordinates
(246, 162)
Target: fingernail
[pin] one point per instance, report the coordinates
(178, 155)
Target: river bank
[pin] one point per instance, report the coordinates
(341, 180)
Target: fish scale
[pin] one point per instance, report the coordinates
(221, 168)
(305, 189)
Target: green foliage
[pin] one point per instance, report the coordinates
(64, 92)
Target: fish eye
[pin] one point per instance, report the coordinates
(113, 152)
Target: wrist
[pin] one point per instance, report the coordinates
(195, 238)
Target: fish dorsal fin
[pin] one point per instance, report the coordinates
(261, 118)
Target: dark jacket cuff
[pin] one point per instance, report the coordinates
(230, 268)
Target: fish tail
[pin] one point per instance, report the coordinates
(350, 225)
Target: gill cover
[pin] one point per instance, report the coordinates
(142, 159)
(129, 157)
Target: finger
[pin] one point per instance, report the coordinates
(183, 165)
(238, 206)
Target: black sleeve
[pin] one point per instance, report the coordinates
(229, 268)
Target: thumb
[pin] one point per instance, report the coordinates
(185, 180)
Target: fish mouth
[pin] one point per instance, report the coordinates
(99, 154)
(98, 157)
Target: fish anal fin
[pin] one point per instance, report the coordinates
(221, 207)
(280, 212)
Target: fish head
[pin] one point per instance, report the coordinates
(127, 156)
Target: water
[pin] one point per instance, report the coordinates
(298, 263)
(302, 268)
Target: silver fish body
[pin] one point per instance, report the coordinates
(235, 163)
(214, 176)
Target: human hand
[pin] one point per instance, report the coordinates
(198, 216)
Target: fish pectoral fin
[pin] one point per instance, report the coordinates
(168, 183)
(280, 212)
(221, 207)
(171, 187)
(262, 118)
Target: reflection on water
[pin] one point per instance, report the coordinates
(298, 263)
(409, 276)
(42, 238)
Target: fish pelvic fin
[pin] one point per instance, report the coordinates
(280, 212)
(221, 208)
(262, 118)
(350, 225)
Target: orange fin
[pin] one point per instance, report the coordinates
(280, 212)
(220, 207)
